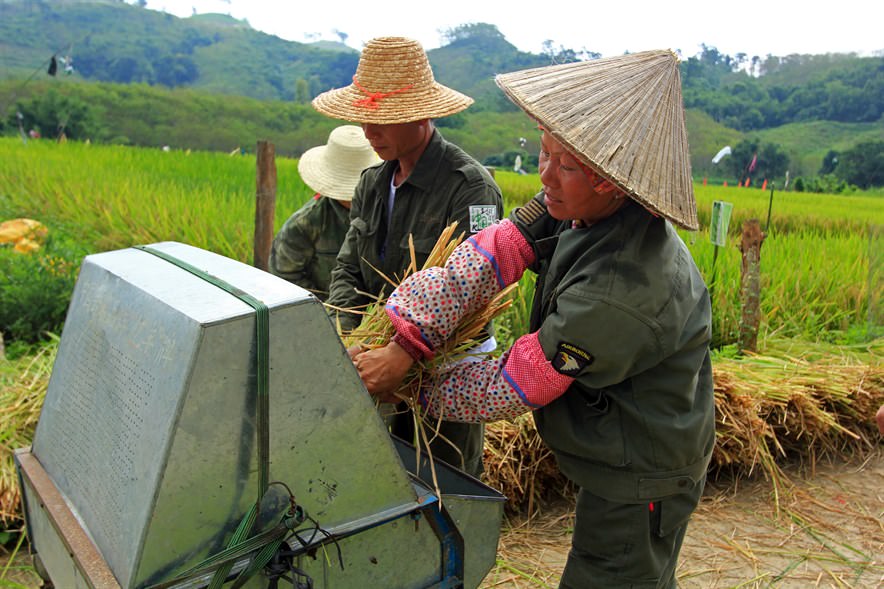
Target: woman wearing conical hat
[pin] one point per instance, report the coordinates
(616, 365)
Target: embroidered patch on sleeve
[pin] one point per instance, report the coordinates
(529, 213)
(482, 216)
(570, 360)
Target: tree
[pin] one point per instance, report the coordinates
(175, 70)
(53, 114)
(470, 31)
(863, 164)
(752, 159)
(302, 91)
(830, 162)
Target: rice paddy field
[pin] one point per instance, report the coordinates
(805, 397)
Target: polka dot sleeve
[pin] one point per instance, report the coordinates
(428, 306)
(522, 379)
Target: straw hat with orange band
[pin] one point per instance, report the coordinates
(393, 84)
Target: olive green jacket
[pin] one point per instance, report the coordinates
(624, 295)
(304, 250)
(446, 185)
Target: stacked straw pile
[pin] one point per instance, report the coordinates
(787, 406)
(21, 399)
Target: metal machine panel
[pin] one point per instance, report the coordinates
(475, 508)
(147, 439)
(148, 424)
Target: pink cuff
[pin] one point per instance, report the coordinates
(414, 351)
(532, 375)
(409, 336)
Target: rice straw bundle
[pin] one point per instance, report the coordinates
(20, 403)
(786, 406)
(519, 465)
(801, 405)
(376, 330)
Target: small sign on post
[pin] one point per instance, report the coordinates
(721, 218)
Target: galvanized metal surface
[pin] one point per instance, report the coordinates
(475, 508)
(73, 559)
(148, 428)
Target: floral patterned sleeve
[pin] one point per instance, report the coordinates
(427, 307)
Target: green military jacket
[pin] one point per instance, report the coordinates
(446, 185)
(306, 246)
(624, 301)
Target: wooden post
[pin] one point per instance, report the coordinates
(750, 284)
(265, 203)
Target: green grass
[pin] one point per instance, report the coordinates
(821, 263)
(114, 197)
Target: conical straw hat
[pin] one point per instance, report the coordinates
(333, 169)
(393, 84)
(622, 116)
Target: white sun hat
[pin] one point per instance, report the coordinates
(333, 169)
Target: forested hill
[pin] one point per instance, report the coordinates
(112, 41)
(116, 41)
(797, 112)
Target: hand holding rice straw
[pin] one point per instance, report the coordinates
(376, 330)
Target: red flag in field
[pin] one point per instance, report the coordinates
(764, 184)
(747, 182)
(725, 182)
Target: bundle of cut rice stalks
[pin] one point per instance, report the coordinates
(797, 403)
(375, 330)
(21, 399)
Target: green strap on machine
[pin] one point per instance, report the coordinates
(240, 544)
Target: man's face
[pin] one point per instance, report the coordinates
(570, 190)
(395, 142)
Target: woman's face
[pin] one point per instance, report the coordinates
(570, 190)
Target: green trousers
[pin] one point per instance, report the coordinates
(621, 545)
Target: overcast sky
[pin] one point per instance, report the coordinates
(753, 27)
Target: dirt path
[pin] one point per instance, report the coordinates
(828, 533)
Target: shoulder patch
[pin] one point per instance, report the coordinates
(482, 216)
(570, 360)
(529, 213)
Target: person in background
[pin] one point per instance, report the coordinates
(616, 365)
(425, 184)
(304, 250)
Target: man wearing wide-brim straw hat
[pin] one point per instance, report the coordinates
(425, 184)
(305, 248)
(616, 364)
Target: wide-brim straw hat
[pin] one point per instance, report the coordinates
(623, 117)
(333, 169)
(393, 84)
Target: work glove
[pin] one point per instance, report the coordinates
(537, 226)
